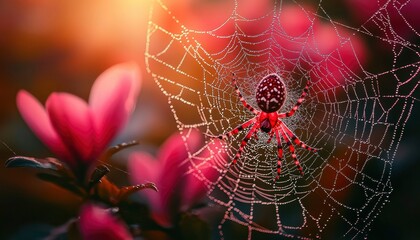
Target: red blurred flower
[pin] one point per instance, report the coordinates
(335, 55)
(292, 37)
(98, 223)
(387, 17)
(76, 131)
(179, 188)
(328, 52)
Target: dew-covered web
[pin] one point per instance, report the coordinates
(354, 114)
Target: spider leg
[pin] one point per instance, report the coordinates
(241, 98)
(298, 103)
(244, 142)
(291, 149)
(256, 134)
(270, 136)
(235, 130)
(279, 154)
(296, 140)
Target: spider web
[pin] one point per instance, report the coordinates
(354, 116)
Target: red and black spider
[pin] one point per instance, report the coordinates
(270, 97)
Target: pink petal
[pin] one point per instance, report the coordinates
(163, 218)
(206, 170)
(177, 146)
(37, 119)
(169, 174)
(98, 223)
(72, 120)
(171, 180)
(144, 168)
(113, 98)
(174, 156)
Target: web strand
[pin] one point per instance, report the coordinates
(355, 117)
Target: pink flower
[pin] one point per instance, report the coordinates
(76, 131)
(179, 187)
(98, 223)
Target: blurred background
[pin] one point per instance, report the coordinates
(48, 46)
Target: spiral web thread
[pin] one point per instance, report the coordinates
(355, 117)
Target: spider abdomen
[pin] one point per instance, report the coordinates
(271, 93)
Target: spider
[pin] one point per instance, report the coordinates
(270, 97)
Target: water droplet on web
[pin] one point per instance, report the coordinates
(349, 114)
